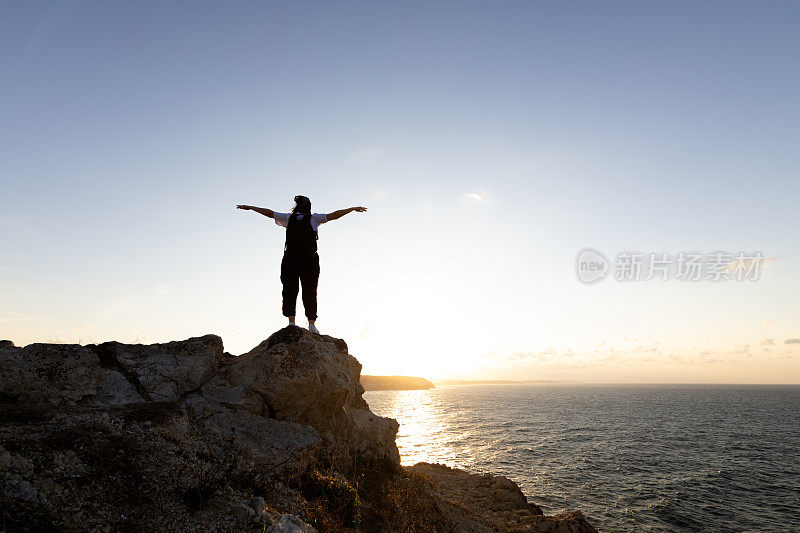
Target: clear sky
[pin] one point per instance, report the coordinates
(491, 141)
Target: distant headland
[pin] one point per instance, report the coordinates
(395, 383)
(417, 383)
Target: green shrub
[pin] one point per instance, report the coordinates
(338, 495)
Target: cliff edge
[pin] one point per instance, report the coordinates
(182, 436)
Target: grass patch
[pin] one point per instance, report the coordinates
(338, 496)
(399, 500)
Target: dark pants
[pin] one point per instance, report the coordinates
(305, 270)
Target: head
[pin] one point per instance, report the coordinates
(302, 205)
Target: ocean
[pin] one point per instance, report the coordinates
(630, 457)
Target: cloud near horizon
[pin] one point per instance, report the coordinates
(632, 351)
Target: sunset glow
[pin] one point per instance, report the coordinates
(128, 137)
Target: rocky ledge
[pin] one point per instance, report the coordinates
(182, 436)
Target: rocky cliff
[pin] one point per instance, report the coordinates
(182, 436)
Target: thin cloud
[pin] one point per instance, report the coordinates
(741, 350)
(792, 341)
(472, 197)
(645, 348)
(767, 342)
(479, 196)
(547, 354)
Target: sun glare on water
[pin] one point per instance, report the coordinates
(425, 434)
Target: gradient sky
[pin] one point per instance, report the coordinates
(491, 141)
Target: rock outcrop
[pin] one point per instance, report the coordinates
(492, 503)
(182, 436)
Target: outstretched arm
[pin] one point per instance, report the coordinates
(342, 212)
(263, 210)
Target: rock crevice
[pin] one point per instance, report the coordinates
(108, 361)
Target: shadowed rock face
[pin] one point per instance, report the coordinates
(163, 372)
(293, 376)
(110, 373)
(183, 436)
(182, 418)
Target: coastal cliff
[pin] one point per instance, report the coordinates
(182, 436)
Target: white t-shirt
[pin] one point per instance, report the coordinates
(282, 219)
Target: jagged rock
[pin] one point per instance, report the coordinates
(290, 524)
(109, 374)
(369, 435)
(312, 380)
(52, 373)
(258, 504)
(243, 512)
(114, 389)
(491, 503)
(283, 448)
(164, 372)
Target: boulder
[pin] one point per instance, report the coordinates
(312, 380)
(484, 503)
(53, 373)
(290, 524)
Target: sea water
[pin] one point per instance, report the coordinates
(630, 457)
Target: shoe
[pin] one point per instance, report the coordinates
(313, 329)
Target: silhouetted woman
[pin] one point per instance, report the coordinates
(300, 259)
